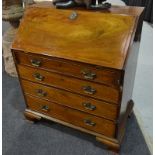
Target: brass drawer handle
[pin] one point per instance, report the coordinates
(41, 93)
(89, 106)
(89, 90)
(38, 77)
(89, 122)
(88, 74)
(45, 108)
(35, 63)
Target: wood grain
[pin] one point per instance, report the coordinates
(72, 116)
(90, 38)
(103, 109)
(136, 11)
(110, 77)
(102, 92)
(99, 42)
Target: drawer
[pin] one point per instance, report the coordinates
(72, 116)
(83, 87)
(86, 104)
(106, 76)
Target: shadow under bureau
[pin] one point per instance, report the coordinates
(79, 72)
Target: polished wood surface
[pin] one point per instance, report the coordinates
(110, 139)
(72, 116)
(103, 75)
(80, 72)
(115, 9)
(103, 109)
(112, 144)
(97, 91)
(32, 117)
(100, 39)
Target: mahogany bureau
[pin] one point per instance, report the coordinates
(77, 67)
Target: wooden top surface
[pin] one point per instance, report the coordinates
(93, 37)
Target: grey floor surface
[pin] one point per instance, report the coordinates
(143, 86)
(21, 137)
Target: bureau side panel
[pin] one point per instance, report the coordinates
(129, 70)
(128, 84)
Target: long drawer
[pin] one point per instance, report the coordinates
(72, 116)
(103, 75)
(83, 87)
(86, 104)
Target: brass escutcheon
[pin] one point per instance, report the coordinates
(73, 15)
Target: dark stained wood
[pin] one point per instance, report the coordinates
(98, 41)
(130, 108)
(103, 75)
(72, 116)
(102, 92)
(72, 100)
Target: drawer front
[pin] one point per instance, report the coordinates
(83, 87)
(72, 100)
(109, 77)
(72, 116)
